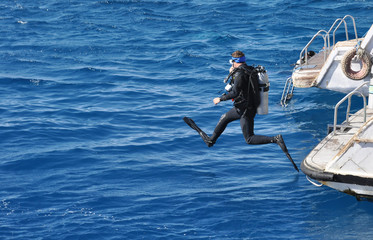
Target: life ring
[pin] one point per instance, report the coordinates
(365, 62)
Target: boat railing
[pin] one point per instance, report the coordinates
(305, 49)
(326, 36)
(343, 20)
(348, 97)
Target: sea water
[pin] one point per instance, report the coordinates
(92, 141)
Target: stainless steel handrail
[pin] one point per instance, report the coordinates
(304, 50)
(340, 20)
(348, 96)
(326, 37)
(346, 29)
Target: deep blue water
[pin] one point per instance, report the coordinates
(92, 141)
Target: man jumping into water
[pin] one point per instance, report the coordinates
(243, 108)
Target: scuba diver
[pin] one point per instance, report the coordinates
(245, 92)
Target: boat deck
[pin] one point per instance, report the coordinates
(335, 144)
(305, 76)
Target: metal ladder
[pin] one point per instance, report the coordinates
(287, 94)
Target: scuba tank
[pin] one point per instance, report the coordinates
(263, 81)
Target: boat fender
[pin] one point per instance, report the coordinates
(262, 109)
(366, 64)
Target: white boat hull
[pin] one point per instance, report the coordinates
(342, 160)
(359, 191)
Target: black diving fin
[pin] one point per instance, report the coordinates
(291, 160)
(203, 135)
(280, 141)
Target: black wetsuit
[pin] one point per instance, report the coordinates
(243, 109)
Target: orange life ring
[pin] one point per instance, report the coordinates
(365, 62)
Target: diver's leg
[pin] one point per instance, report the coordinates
(247, 126)
(226, 118)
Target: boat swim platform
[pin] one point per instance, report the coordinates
(306, 75)
(332, 153)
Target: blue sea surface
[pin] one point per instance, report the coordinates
(92, 141)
